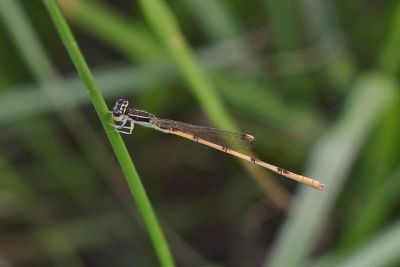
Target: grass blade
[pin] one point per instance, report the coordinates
(390, 57)
(45, 72)
(129, 170)
(132, 39)
(166, 26)
(382, 251)
(331, 160)
(115, 80)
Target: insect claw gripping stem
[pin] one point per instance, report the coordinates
(118, 127)
(120, 131)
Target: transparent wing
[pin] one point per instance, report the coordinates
(232, 140)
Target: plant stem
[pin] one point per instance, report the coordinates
(129, 170)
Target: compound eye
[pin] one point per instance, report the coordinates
(117, 113)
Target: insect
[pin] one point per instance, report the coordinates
(228, 142)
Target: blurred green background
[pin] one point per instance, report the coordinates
(316, 82)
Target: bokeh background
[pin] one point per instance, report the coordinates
(316, 82)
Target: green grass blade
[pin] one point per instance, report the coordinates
(390, 58)
(331, 160)
(166, 26)
(44, 71)
(382, 251)
(164, 23)
(261, 103)
(219, 24)
(374, 212)
(368, 214)
(134, 40)
(129, 170)
(129, 37)
(115, 81)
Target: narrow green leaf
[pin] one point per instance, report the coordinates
(331, 161)
(129, 170)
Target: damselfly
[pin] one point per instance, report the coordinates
(225, 141)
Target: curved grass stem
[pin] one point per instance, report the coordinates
(138, 192)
